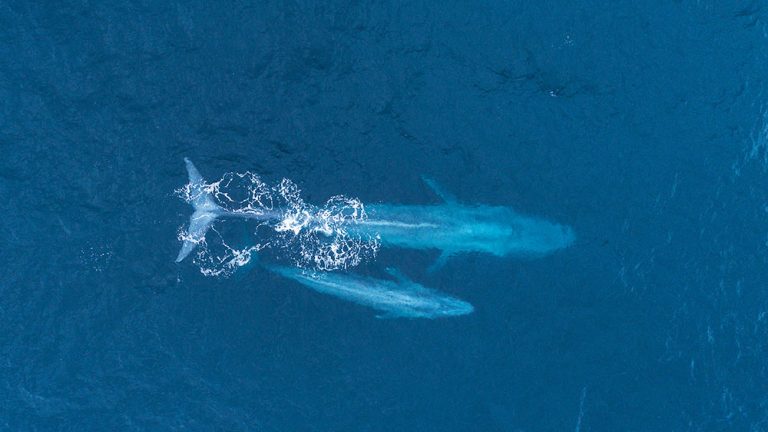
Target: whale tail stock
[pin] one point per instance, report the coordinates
(206, 211)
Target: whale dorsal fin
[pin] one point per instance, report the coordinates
(446, 196)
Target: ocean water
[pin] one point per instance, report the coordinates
(641, 125)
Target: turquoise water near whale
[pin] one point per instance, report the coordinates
(643, 126)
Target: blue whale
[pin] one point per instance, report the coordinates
(453, 228)
(397, 298)
(450, 227)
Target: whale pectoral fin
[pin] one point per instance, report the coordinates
(446, 196)
(397, 274)
(439, 262)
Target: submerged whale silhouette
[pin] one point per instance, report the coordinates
(398, 298)
(454, 228)
(450, 227)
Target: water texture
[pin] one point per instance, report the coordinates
(640, 126)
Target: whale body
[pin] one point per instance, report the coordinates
(397, 298)
(454, 228)
(450, 227)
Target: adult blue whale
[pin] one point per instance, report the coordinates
(453, 228)
(397, 298)
(450, 227)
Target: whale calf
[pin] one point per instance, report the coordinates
(396, 298)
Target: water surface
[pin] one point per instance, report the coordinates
(642, 125)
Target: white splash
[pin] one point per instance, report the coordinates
(223, 260)
(307, 235)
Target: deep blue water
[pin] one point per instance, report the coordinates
(642, 125)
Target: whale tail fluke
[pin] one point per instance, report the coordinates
(206, 211)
